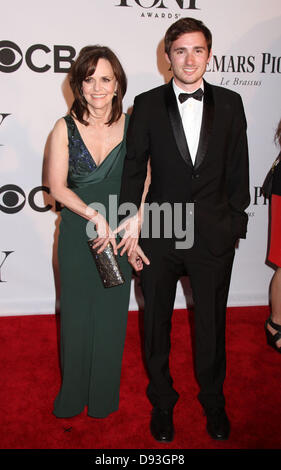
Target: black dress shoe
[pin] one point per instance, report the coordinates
(161, 425)
(218, 425)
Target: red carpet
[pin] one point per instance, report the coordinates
(30, 381)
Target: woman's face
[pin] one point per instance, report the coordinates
(98, 89)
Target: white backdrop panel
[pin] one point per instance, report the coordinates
(35, 93)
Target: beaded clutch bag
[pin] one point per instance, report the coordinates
(107, 265)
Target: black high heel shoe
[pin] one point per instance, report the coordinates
(272, 338)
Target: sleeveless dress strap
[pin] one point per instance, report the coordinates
(70, 126)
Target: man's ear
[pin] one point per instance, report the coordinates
(210, 56)
(168, 60)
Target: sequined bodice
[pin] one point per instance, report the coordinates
(80, 159)
(82, 169)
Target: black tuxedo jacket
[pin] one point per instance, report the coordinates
(218, 182)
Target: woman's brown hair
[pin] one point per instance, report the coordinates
(84, 66)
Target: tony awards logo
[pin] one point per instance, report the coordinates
(183, 4)
(160, 9)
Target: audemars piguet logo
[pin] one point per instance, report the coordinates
(240, 70)
(159, 8)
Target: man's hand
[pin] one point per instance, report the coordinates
(132, 228)
(105, 234)
(137, 258)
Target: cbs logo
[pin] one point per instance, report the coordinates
(11, 57)
(13, 199)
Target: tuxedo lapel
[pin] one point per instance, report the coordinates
(206, 126)
(176, 123)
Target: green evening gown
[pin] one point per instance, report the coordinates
(93, 318)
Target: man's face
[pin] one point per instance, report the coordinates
(189, 57)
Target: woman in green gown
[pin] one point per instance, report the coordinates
(85, 167)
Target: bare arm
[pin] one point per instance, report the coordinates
(57, 177)
(133, 226)
(58, 170)
(146, 186)
(136, 175)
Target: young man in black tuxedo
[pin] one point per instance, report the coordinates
(198, 152)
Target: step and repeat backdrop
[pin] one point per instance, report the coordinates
(39, 41)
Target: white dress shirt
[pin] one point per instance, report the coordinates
(191, 114)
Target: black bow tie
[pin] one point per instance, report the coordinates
(197, 95)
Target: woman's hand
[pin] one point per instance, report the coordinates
(105, 234)
(132, 228)
(137, 258)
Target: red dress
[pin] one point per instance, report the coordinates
(274, 254)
